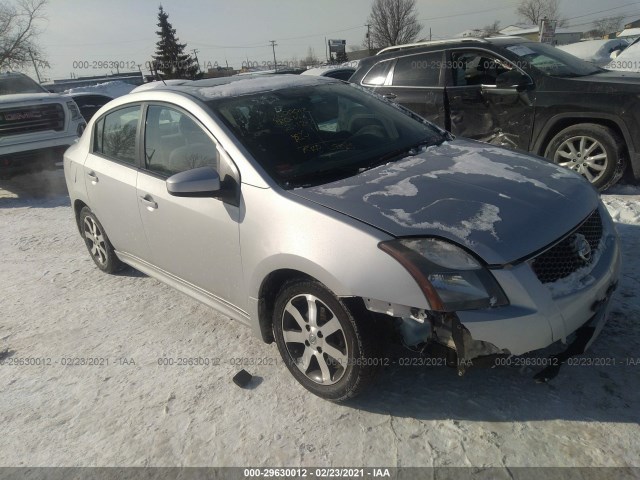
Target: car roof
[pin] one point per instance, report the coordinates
(321, 71)
(225, 87)
(453, 42)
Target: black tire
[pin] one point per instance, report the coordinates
(607, 142)
(98, 245)
(356, 341)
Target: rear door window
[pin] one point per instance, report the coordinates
(116, 133)
(418, 70)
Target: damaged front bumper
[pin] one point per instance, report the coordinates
(537, 317)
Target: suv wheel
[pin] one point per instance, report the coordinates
(98, 243)
(592, 150)
(331, 353)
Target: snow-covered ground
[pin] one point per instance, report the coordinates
(56, 306)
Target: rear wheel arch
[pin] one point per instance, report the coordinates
(78, 205)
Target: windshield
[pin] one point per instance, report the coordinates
(553, 61)
(13, 84)
(305, 136)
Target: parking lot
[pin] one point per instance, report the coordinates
(98, 371)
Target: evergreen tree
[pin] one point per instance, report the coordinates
(170, 60)
(341, 57)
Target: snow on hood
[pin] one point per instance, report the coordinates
(502, 204)
(110, 89)
(260, 84)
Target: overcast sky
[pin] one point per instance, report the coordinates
(240, 30)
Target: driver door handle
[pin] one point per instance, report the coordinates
(148, 201)
(389, 96)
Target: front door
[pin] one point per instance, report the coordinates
(478, 109)
(193, 239)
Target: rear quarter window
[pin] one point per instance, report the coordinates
(378, 74)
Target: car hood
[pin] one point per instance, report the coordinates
(32, 98)
(611, 81)
(500, 204)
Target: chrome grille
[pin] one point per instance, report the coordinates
(563, 259)
(38, 118)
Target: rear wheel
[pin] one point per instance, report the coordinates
(98, 244)
(328, 350)
(594, 151)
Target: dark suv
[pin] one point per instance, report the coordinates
(516, 93)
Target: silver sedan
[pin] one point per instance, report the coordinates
(326, 218)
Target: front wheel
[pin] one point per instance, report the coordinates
(329, 351)
(594, 151)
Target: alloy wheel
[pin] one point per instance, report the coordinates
(314, 339)
(584, 155)
(95, 240)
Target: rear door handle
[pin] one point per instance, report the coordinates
(148, 201)
(389, 96)
(92, 175)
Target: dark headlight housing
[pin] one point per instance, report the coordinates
(450, 278)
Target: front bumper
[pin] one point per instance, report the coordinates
(540, 315)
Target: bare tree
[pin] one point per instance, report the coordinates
(606, 25)
(311, 58)
(393, 22)
(18, 34)
(534, 11)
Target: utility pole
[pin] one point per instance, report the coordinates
(368, 25)
(35, 66)
(429, 33)
(195, 54)
(326, 49)
(273, 46)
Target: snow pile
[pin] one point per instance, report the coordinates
(110, 89)
(597, 52)
(623, 203)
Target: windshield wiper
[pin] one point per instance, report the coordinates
(399, 153)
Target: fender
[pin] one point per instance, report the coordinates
(538, 147)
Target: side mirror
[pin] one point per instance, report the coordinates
(512, 79)
(199, 182)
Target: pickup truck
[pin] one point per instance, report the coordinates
(36, 126)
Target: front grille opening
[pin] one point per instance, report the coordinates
(563, 259)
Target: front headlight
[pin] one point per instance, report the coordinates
(450, 278)
(75, 111)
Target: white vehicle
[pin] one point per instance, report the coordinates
(341, 72)
(36, 126)
(627, 61)
(598, 52)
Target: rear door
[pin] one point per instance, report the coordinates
(194, 239)
(478, 109)
(416, 84)
(111, 171)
